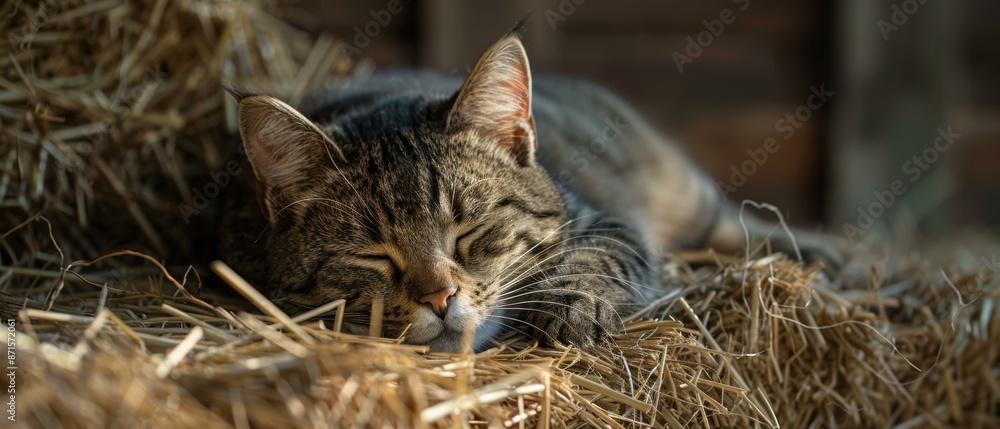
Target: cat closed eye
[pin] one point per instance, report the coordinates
(383, 263)
(464, 240)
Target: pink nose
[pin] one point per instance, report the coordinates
(438, 300)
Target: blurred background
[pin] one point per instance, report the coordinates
(855, 93)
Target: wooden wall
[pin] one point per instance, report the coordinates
(762, 67)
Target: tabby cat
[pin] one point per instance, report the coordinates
(498, 204)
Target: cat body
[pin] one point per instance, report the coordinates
(467, 208)
(596, 147)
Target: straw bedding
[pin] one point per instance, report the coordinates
(113, 120)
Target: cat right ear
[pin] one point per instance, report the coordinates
(283, 146)
(495, 100)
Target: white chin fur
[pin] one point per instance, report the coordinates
(451, 337)
(447, 335)
(426, 326)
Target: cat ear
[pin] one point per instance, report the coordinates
(495, 99)
(284, 147)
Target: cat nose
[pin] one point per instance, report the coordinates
(438, 299)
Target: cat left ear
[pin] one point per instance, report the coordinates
(495, 100)
(283, 147)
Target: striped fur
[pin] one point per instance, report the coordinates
(404, 184)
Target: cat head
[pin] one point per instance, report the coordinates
(434, 206)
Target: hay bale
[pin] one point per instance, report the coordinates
(112, 113)
(766, 344)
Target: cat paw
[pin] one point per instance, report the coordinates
(573, 317)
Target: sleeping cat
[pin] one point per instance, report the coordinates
(497, 203)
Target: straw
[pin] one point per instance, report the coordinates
(112, 124)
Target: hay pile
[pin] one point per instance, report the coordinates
(112, 117)
(762, 345)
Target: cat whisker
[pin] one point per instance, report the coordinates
(538, 328)
(512, 327)
(522, 274)
(601, 237)
(349, 315)
(526, 335)
(635, 286)
(526, 252)
(579, 292)
(621, 243)
(563, 241)
(565, 322)
(504, 301)
(513, 287)
(516, 299)
(511, 283)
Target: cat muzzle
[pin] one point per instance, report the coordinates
(438, 300)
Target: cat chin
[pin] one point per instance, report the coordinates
(451, 342)
(426, 328)
(447, 342)
(450, 333)
(441, 334)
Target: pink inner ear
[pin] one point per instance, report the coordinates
(516, 87)
(496, 99)
(283, 162)
(521, 142)
(518, 124)
(281, 144)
